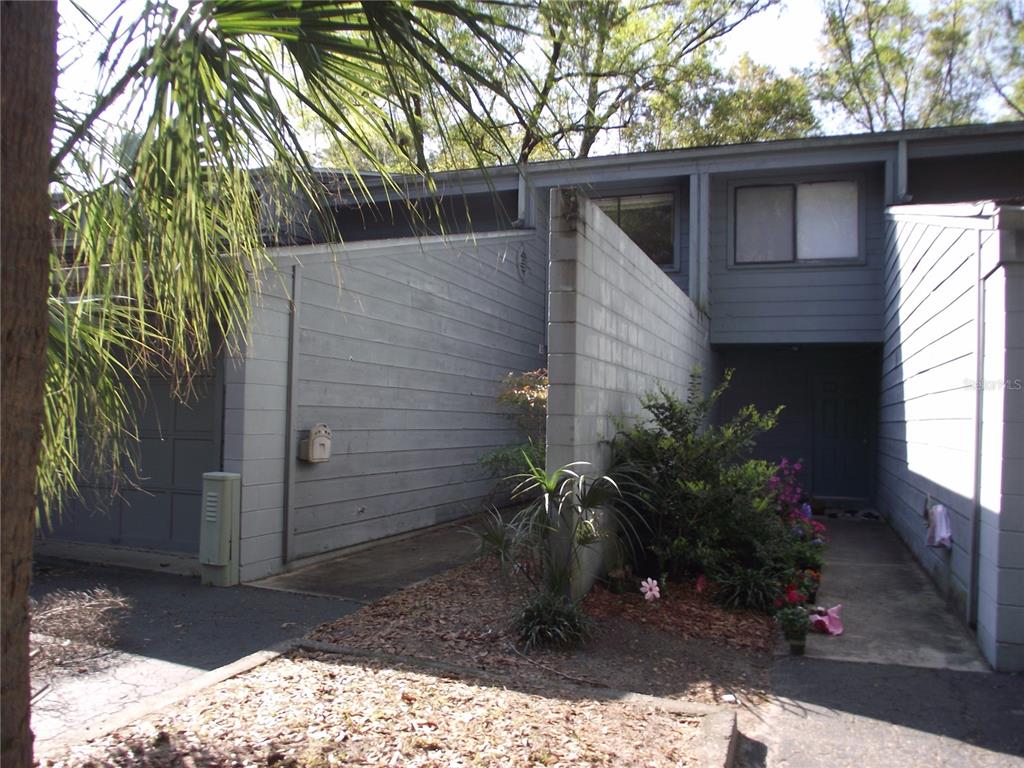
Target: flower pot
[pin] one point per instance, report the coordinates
(797, 642)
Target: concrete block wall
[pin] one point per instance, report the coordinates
(617, 328)
(402, 347)
(1001, 486)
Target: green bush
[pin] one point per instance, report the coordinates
(711, 509)
(552, 620)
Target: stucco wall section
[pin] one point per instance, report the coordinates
(618, 327)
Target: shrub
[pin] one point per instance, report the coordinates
(550, 619)
(525, 396)
(712, 509)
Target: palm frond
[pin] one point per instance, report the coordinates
(166, 178)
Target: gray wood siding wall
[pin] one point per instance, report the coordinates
(927, 406)
(255, 413)
(951, 425)
(402, 348)
(926, 415)
(796, 303)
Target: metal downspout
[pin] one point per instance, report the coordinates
(290, 406)
(979, 400)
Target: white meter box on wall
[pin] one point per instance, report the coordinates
(317, 447)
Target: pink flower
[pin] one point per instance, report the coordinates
(650, 590)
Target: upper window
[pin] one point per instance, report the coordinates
(647, 221)
(797, 222)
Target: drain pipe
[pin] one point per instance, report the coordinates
(979, 402)
(290, 408)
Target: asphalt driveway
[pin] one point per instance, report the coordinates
(176, 629)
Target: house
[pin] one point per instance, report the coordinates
(872, 284)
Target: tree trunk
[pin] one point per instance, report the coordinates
(28, 63)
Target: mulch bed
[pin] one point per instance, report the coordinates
(686, 613)
(308, 709)
(682, 646)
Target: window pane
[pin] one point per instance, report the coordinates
(610, 206)
(764, 224)
(827, 217)
(647, 221)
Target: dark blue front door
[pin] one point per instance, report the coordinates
(843, 426)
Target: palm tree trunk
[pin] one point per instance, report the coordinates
(28, 63)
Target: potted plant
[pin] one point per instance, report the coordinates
(795, 624)
(808, 580)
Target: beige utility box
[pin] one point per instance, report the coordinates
(219, 528)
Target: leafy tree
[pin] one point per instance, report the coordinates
(887, 67)
(602, 59)
(163, 244)
(710, 107)
(588, 68)
(1000, 31)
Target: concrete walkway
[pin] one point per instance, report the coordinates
(904, 686)
(375, 571)
(177, 629)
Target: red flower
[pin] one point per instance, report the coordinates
(793, 595)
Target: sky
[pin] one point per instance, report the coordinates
(785, 38)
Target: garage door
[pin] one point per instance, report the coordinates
(159, 508)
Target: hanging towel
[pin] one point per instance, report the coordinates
(939, 534)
